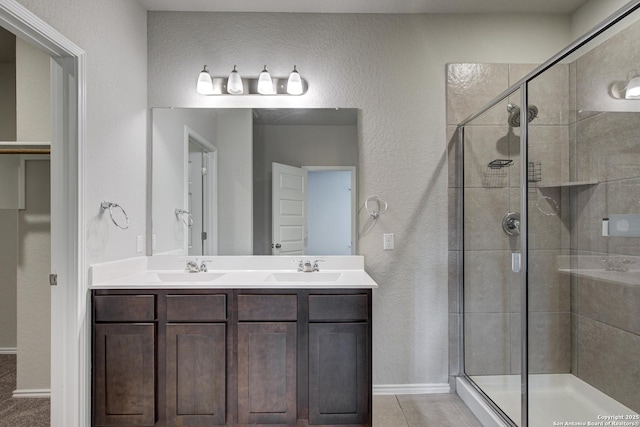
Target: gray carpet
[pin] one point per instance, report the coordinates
(18, 412)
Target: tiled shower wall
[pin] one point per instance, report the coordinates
(492, 303)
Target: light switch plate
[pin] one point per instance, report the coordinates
(388, 242)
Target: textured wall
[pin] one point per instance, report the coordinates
(593, 12)
(113, 33)
(392, 68)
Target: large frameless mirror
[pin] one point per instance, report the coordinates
(254, 181)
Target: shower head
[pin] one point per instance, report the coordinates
(514, 114)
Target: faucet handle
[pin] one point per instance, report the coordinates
(203, 266)
(300, 264)
(315, 264)
(192, 266)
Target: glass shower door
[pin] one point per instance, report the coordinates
(492, 254)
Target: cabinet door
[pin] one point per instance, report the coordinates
(267, 373)
(124, 374)
(196, 363)
(339, 385)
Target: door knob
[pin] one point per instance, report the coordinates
(277, 245)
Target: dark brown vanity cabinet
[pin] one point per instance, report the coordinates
(160, 358)
(196, 360)
(267, 359)
(124, 361)
(339, 359)
(175, 358)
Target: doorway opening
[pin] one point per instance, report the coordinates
(69, 371)
(202, 195)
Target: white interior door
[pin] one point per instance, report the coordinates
(289, 205)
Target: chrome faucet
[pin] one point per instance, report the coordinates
(192, 266)
(307, 267)
(304, 266)
(616, 264)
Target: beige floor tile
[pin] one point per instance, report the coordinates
(427, 410)
(387, 412)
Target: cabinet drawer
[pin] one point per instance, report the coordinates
(324, 308)
(267, 307)
(196, 308)
(124, 308)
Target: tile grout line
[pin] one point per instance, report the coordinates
(406, 422)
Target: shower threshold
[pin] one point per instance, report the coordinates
(554, 399)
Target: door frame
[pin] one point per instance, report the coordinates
(211, 210)
(354, 198)
(70, 343)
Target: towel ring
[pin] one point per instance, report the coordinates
(554, 204)
(186, 217)
(380, 201)
(110, 205)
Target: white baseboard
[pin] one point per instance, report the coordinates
(8, 350)
(437, 388)
(33, 393)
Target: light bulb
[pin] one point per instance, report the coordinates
(265, 84)
(294, 84)
(234, 84)
(205, 85)
(633, 89)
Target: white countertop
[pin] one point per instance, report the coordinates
(231, 272)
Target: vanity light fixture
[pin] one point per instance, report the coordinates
(629, 89)
(633, 88)
(235, 85)
(294, 83)
(265, 83)
(205, 85)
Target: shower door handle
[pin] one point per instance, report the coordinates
(515, 262)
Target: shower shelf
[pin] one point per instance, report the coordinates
(569, 184)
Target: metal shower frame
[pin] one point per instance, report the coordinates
(522, 85)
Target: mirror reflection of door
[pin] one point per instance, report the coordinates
(201, 235)
(313, 210)
(289, 210)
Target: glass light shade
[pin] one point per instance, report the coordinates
(265, 84)
(205, 85)
(294, 84)
(633, 89)
(234, 84)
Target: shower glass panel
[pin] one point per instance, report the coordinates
(583, 279)
(491, 200)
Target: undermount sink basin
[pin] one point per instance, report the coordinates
(188, 277)
(304, 277)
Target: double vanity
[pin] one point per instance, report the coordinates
(250, 341)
